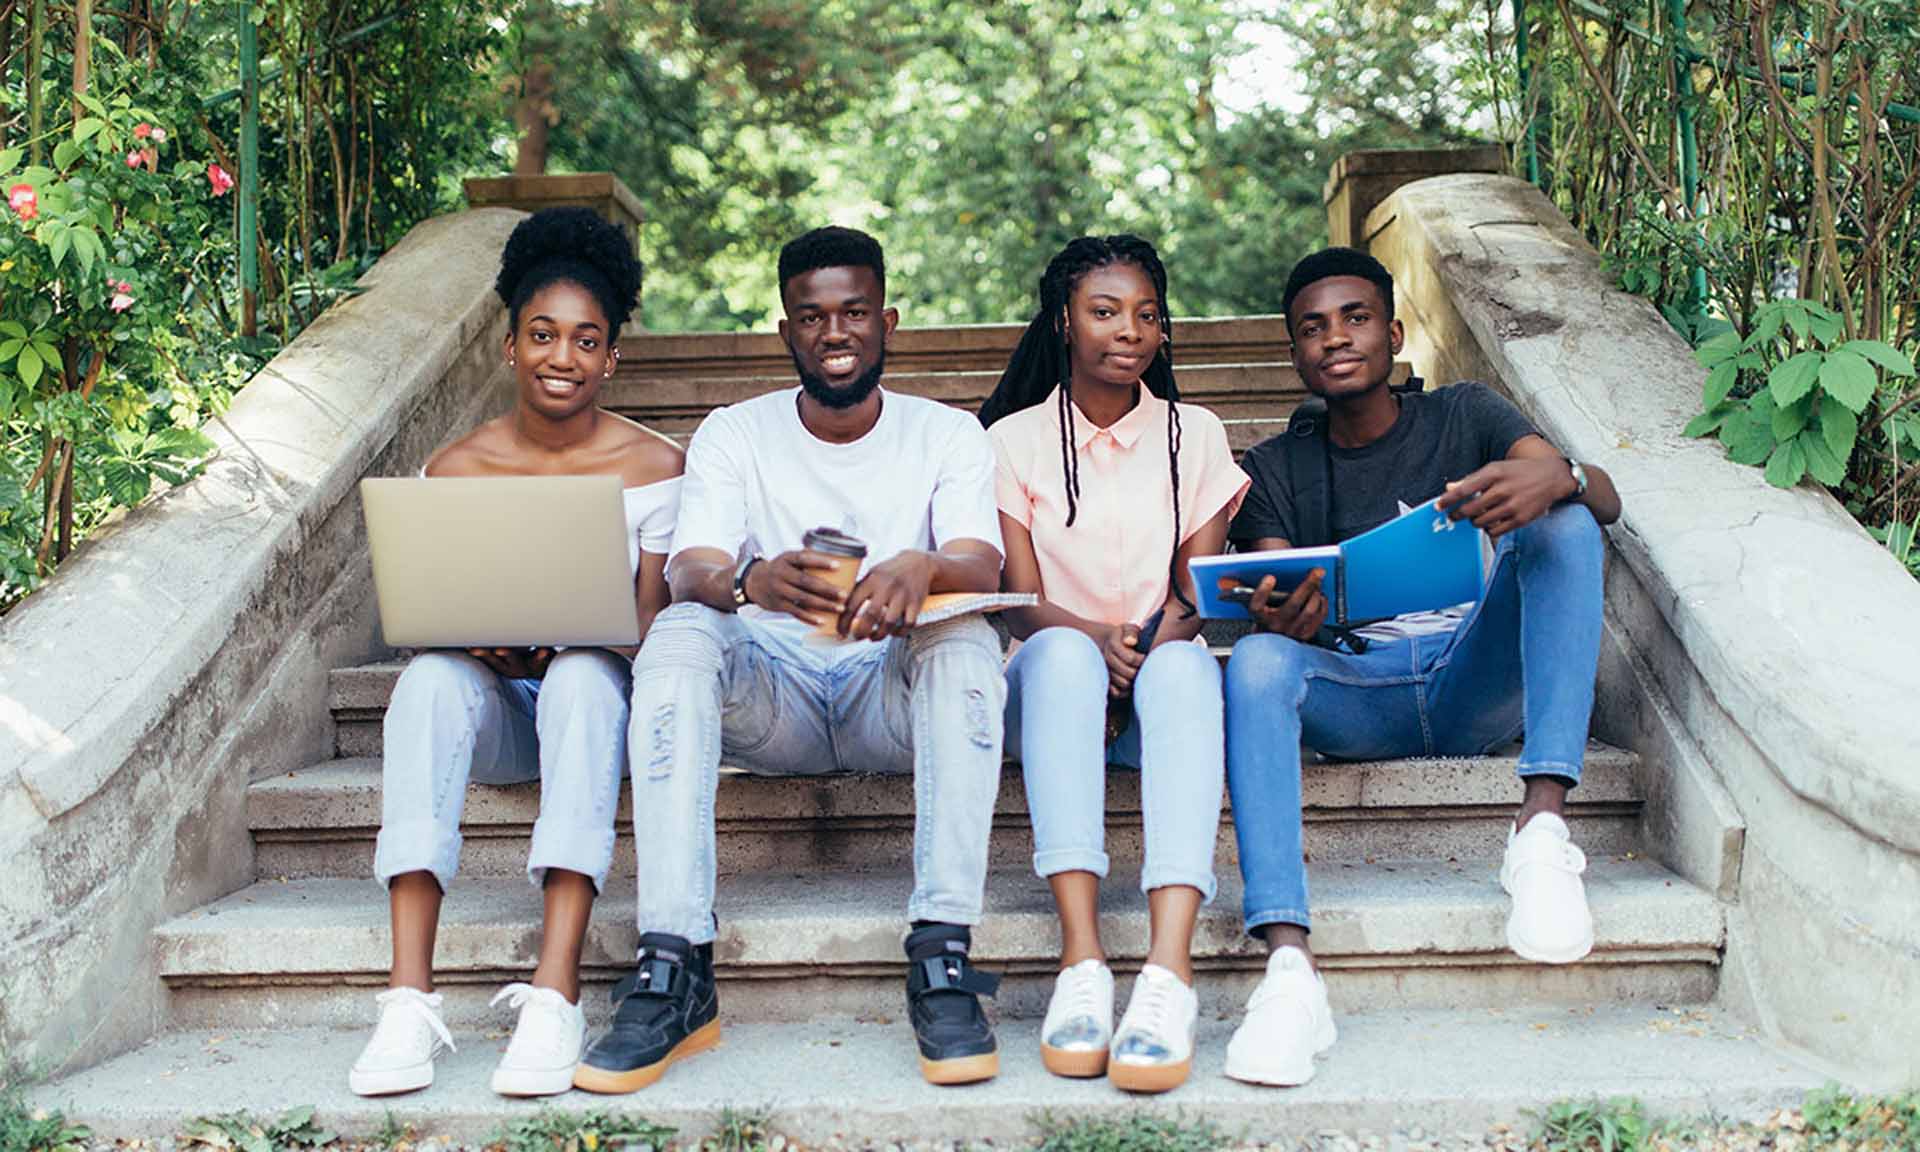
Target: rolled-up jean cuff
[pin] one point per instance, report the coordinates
(1053, 863)
(1294, 916)
(419, 844)
(1169, 877)
(940, 912)
(571, 850)
(1549, 768)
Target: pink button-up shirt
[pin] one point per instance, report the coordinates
(1111, 566)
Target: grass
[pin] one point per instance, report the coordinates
(1137, 1133)
(1617, 1125)
(242, 1132)
(27, 1129)
(551, 1131)
(740, 1130)
(1835, 1118)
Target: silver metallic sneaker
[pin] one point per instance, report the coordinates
(1079, 1024)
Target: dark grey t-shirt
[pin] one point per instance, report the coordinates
(1439, 436)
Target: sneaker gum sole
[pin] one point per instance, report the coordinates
(1148, 1078)
(391, 1081)
(608, 1082)
(1074, 1065)
(961, 1069)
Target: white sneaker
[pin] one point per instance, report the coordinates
(1550, 922)
(399, 1057)
(1288, 1023)
(1079, 1024)
(546, 1042)
(1153, 1047)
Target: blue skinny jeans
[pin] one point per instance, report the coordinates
(1056, 717)
(1523, 659)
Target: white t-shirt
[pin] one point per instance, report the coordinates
(923, 476)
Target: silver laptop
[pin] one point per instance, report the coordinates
(508, 561)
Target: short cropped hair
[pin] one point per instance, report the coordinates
(831, 247)
(1329, 262)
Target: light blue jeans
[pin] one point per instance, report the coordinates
(1523, 659)
(1056, 715)
(452, 719)
(710, 684)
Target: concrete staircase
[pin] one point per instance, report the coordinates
(270, 987)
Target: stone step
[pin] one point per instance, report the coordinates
(794, 946)
(1230, 390)
(321, 821)
(951, 348)
(853, 1084)
(1242, 434)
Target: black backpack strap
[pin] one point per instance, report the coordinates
(1307, 472)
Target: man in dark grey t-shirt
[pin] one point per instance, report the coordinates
(1453, 683)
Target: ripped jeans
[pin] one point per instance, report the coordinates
(711, 684)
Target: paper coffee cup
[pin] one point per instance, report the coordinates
(846, 552)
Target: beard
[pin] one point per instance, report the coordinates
(840, 398)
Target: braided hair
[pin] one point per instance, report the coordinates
(1042, 362)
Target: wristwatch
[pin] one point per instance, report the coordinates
(740, 571)
(1579, 478)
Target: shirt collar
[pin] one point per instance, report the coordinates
(1150, 412)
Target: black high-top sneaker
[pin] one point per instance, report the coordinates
(664, 1010)
(943, 1002)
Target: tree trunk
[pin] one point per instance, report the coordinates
(82, 53)
(533, 115)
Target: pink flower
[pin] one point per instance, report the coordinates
(121, 302)
(136, 158)
(159, 135)
(219, 180)
(142, 130)
(123, 286)
(24, 201)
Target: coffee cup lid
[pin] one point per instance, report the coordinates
(833, 542)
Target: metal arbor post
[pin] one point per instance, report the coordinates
(249, 239)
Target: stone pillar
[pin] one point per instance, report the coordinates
(1359, 181)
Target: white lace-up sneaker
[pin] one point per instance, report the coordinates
(399, 1057)
(1288, 1023)
(1550, 922)
(1153, 1047)
(546, 1042)
(1073, 1040)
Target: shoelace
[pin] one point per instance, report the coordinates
(417, 1001)
(553, 1039)
(1083, 995)
(1151, 1009)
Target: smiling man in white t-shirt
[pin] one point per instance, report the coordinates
(763, 660)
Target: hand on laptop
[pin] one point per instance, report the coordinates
(515, 663)
(887, 599)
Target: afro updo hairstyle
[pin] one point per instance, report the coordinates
(577, 246)
(1331, 262)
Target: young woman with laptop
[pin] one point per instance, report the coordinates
(502, 716)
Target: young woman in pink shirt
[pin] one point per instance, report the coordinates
(1107, 486)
